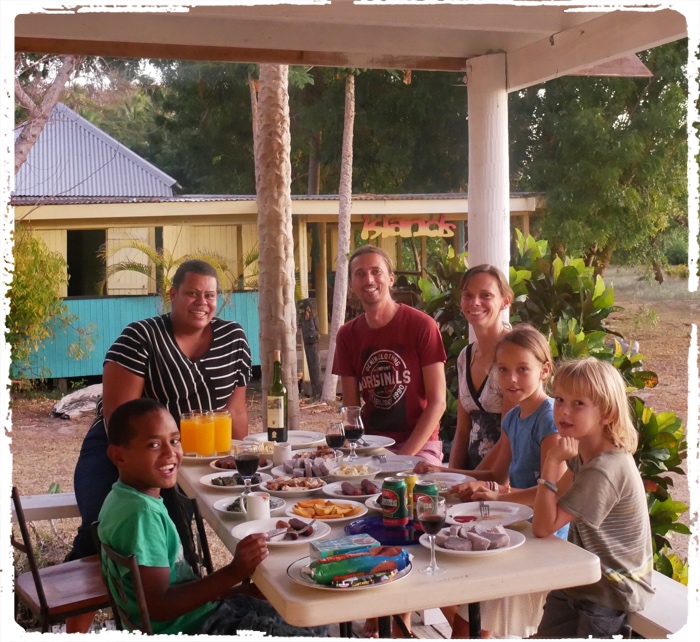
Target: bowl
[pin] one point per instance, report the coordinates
(350, 472)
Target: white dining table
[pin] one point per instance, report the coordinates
(540, 564)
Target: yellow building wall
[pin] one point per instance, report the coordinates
(126, 282)
(56, 241)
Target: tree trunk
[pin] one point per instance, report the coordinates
(340, 291)
(39, 113)
(276, 307)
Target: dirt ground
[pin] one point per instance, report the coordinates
(44, 449)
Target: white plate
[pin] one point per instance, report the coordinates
(503, 513)
(372, 472)
(393, 464)
(297, 492)
(445, 481)
(264, 468)
(373, 503)
(207, 479)
(296, 574)
(516, 539)
(333, 490)
(297, 438)
(375, 442)
(276, 506)
(264, 525)
(334, 520)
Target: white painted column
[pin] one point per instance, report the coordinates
(489, 191)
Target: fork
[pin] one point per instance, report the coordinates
(483, 508)
(380, 458)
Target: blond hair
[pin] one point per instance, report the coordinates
(602, 383)
(531, 339)
(503, 285)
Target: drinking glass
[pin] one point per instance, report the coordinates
(247, 459)
(430, 511)
(188, 433)
(335, 435)
(354, 429)
(222, 432)
(205, 434)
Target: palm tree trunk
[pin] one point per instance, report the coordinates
(340, 290)
(273, 169)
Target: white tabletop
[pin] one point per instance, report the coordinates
(537, 565)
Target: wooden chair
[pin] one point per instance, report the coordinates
(199, 542)
(58, 592)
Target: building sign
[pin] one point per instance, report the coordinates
(386, 226)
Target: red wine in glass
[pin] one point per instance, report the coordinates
(432, 524)
(247, 464)
(335, 441)
(353, 433)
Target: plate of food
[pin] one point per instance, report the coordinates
(229, 463)
(445, 481)
(309, 463)
(478, 540)
(503, 513)
(355, 490)
(297, 438)
(299, 530)
(300, 572)
(393, 464)
(368, 443)
(327, 509)
(232, 506)
(232, 481)
(292, 486)
(354, 471)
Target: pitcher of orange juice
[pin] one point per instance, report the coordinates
(188, 433)
(205, 434)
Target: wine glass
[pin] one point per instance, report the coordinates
(354, 429)
(247, 459)
(431, 515)
(335, 435)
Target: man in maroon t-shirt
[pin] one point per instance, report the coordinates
(394, 357)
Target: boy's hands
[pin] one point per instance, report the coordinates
(251, 550)
(566, 448)
(466, 490)
(423, 467)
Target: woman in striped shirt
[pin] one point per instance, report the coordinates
(188, 360)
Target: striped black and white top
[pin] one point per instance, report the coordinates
(148, 349)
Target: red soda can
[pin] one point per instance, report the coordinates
(394, 502)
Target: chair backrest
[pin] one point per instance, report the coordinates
(199, 538)
(25, 546)
(115, 587)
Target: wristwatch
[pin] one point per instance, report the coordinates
(545, 482)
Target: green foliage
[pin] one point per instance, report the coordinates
(36, 307)
(610, 154)
(441, 300)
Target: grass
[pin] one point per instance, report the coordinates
(637, 284)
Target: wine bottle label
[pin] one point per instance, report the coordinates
(275, 412)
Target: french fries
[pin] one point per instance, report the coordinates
(325, 509)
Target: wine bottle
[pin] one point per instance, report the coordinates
(277, 404)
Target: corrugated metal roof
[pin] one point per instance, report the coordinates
(73, 158)
(203, 198)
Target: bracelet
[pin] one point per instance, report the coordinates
(545, 482)
(508, 488)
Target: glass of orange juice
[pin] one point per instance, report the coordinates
(222, 432)
(188, 433)
(205, 434)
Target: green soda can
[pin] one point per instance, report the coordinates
(394, 502)
(423, 488)
(410, 478)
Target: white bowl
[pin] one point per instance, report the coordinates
(337, 472)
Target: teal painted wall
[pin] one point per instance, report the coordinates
(110, 315)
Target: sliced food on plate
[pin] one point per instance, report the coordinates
(294, 484)
(327, 509)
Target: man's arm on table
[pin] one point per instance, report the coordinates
(435, 391)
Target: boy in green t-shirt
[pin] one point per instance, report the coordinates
(144, 444)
